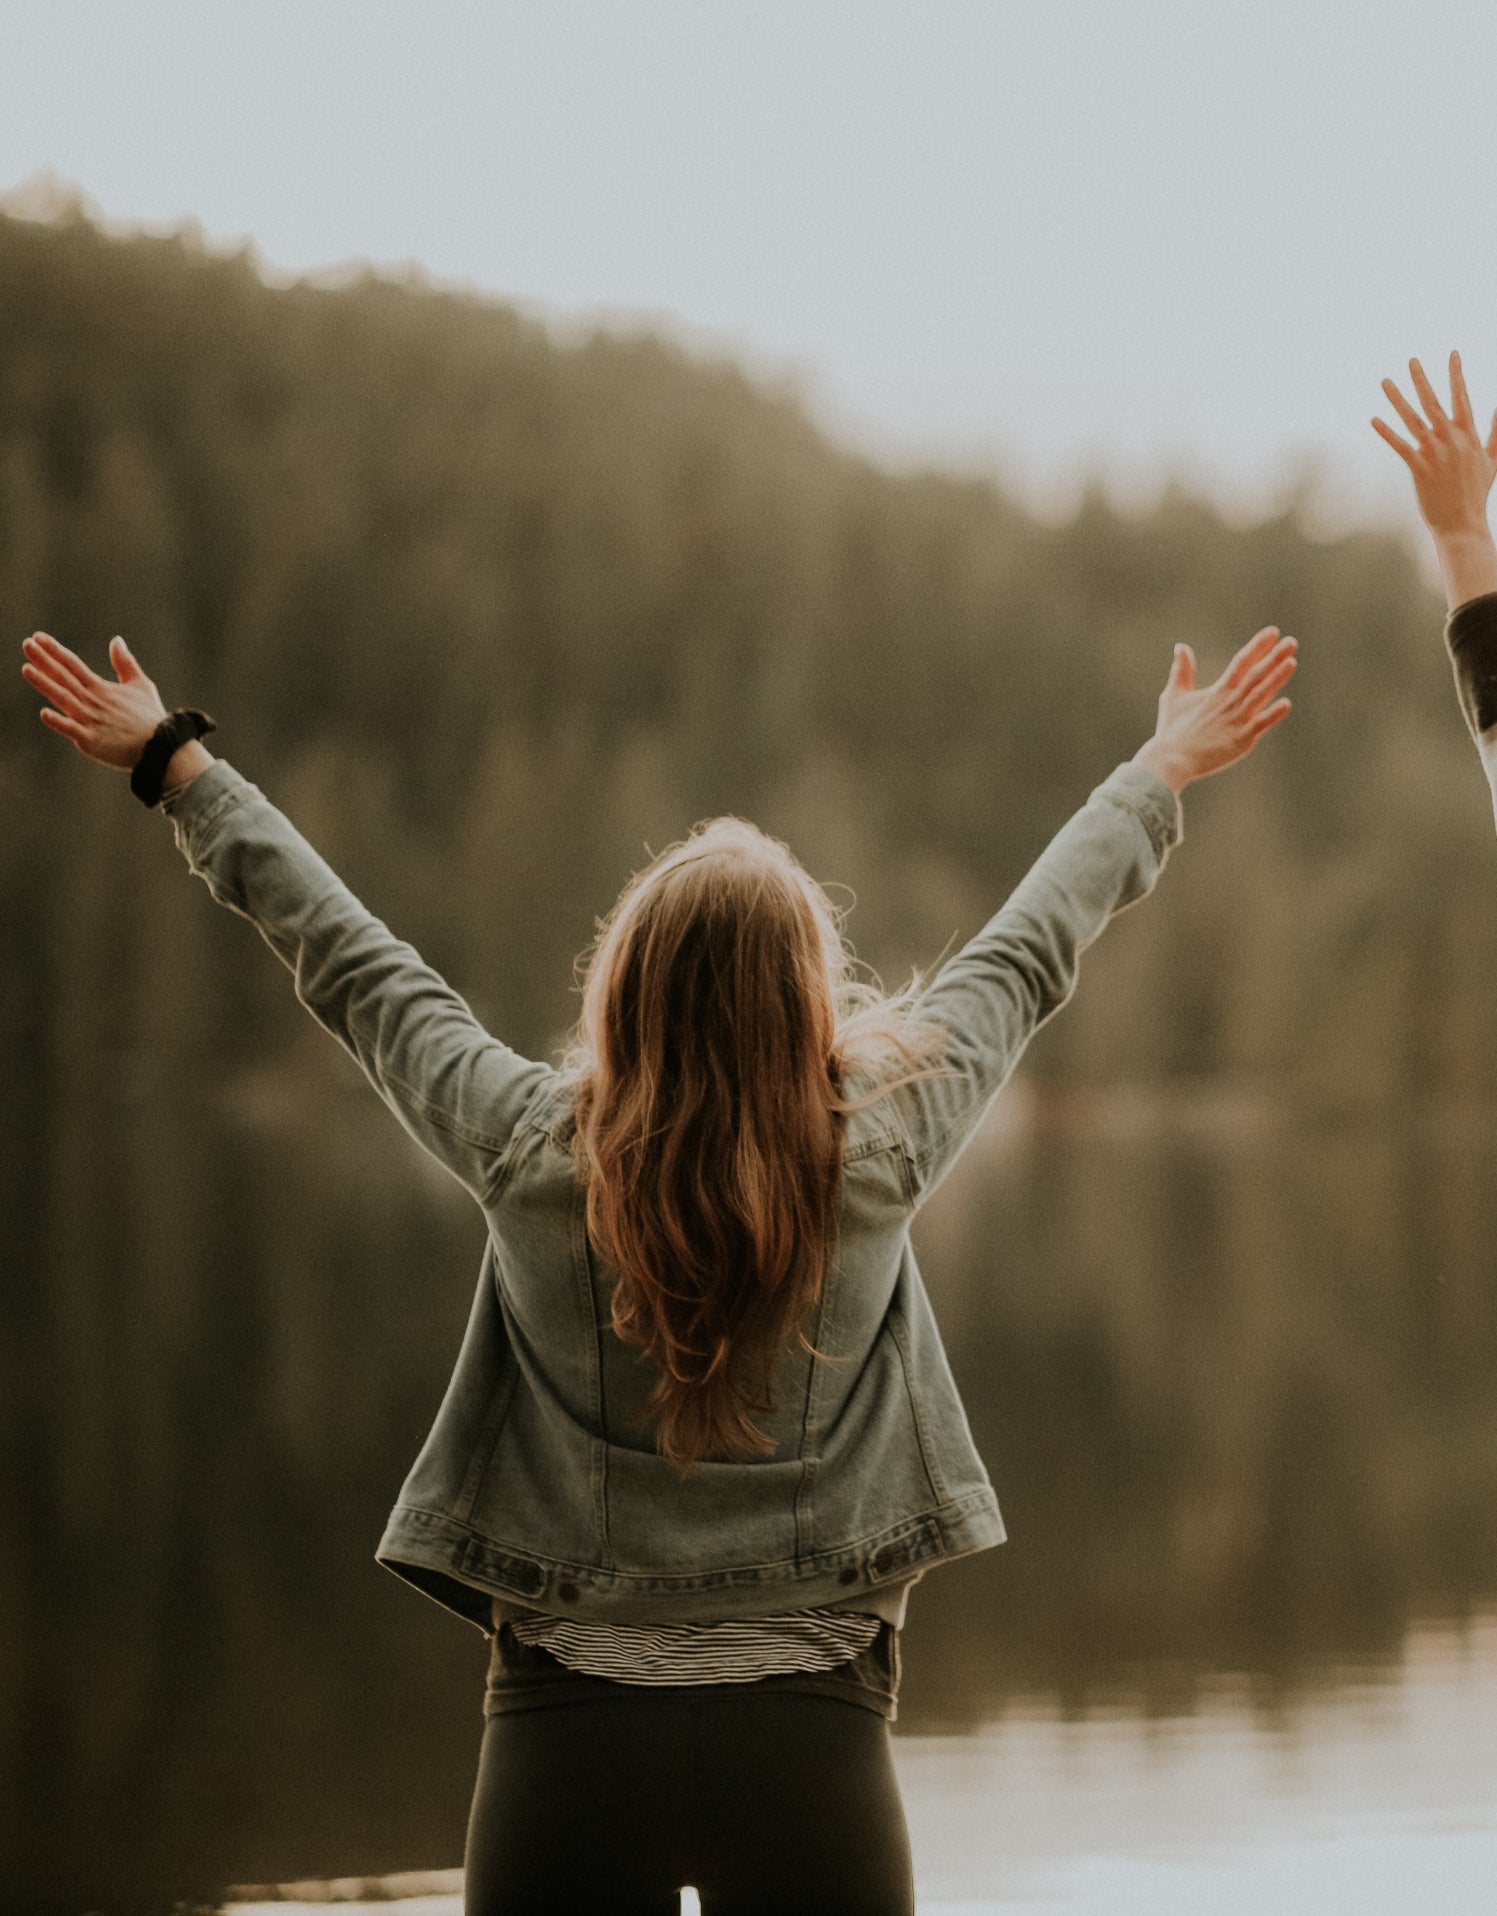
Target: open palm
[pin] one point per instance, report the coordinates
(108, 720)
(1451, 464)
(1204, 729)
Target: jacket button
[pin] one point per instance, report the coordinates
(529, 1576)
(568, 1592)
(883, 1560)
(849, 1575)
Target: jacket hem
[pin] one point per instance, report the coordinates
(461, 1568)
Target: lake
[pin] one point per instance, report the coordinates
(1374, 1795)
(1234, 1373)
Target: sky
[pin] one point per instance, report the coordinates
(1047, 240)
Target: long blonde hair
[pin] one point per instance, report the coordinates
(721, 1023)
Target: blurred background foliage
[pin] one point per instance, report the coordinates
(492, 611)
(489, 611)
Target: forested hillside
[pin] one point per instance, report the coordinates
(490, 613)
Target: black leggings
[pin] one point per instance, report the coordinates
(766, 1803)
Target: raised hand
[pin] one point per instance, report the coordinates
(108, 720)
(1204, 731)
(1452, 465)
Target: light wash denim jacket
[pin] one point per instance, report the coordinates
(540, 1482)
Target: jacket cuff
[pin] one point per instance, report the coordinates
(196, 804)
(1152, 802)
(1471, 636)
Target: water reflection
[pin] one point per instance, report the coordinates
(1233, 1380)
(1373, 1797)
(1236, 1395)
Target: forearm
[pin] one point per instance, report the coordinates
(996, 992)
(1022, 965)
(1468, 564)
(456, 1089)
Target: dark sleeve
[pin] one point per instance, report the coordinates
(1471, 636)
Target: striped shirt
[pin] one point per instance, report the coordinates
(740, 1650)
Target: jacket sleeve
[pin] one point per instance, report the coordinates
(994, 994)
(458, 1091)
(1471, 636)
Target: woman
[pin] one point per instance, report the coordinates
(700, 1437)
(1453, 469)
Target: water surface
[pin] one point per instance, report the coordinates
(1236, 1383)
(1375, 1795)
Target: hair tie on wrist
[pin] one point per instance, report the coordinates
(177, 728)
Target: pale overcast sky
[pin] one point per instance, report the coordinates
(1160, 234)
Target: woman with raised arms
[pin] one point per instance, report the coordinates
(701, 1437)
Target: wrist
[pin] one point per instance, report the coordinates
(161, 751)
(1468, 562)
(1166, 765)
(185, 764)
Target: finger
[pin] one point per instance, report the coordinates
(1274, 657)
(1182, 670)
(64, 660)
(1460, 399)
(37, 650)
(1282, 641)
(127, 668)
(1253, 653)
(1257, 695)
(1491, 446)
(60, 722)
(1276, 670)
(1404, 450)
(1428, 394)
(62, 692)
(42, 648)
(1283, 658)
(1405, 411)
(1266, 721)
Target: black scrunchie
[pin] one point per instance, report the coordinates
(174, 730)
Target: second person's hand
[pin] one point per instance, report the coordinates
(1204, 731)
(1452, 467)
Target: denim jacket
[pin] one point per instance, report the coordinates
(540, 1482)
